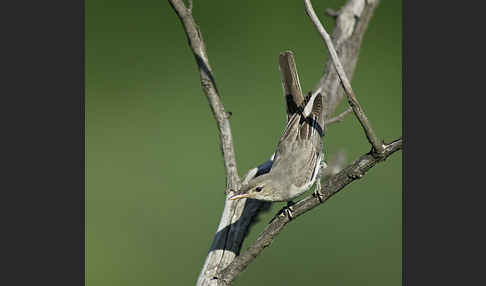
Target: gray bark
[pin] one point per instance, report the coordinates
(224, 262)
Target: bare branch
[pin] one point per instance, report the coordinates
(331, 13)
(196, 42)
(351, 24)
(237, 216)
(358, 110)
(352, 172)
(338, 118)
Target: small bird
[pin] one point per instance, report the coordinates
(297, 159)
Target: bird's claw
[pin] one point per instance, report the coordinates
(285, 211)
(318, 195)
(288, 209)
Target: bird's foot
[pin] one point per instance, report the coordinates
(317, 194)
(285, 211)
(288, 209)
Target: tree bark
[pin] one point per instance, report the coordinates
(223, 262)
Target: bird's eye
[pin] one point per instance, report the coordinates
(259, 189)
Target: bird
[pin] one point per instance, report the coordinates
(297, 158)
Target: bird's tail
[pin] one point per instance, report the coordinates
(290, 83)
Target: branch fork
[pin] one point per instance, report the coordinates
(378, 146)
(224, 261)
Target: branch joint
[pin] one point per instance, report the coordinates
(332, 13)
(380, 155)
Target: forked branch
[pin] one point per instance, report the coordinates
(237, 216)
(196, 42)
(222, 264)
(352, 21)
(333, 185)
(358, 110)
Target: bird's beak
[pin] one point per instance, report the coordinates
(237, 197)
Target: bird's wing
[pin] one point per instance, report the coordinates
(309, 172)
(301, 131)
(310, 126)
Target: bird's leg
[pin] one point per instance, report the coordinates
(288, 209)
(317, 192)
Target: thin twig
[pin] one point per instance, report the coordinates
(338, 118)
(347, 36)
(238, 215)
(333, 185)
(331, 12)
(353, 102)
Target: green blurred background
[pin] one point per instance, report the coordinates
(154, 171)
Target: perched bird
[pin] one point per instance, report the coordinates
(297, 159)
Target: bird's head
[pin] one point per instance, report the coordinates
(261, 188)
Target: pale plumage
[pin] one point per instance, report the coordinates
(297, 157)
